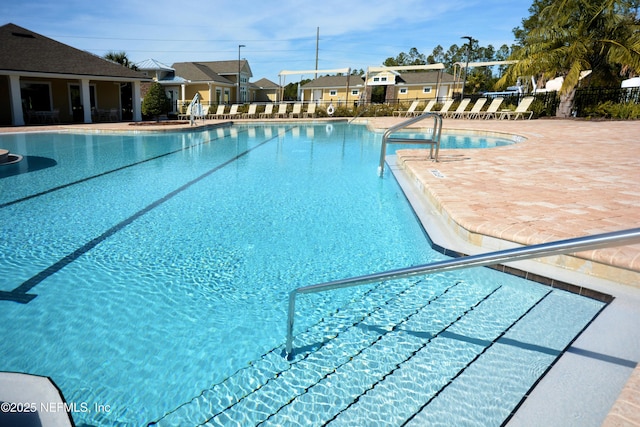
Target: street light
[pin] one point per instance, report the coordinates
(238, 92)
(466, 68)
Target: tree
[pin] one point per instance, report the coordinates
(156, 103)
(120, 58)
(563, 38)
(412, 58)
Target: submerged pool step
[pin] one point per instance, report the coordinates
(392, 392)
(515, 364)
(349, 364)
(248, 380)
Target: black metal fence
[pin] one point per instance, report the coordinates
(591, 97)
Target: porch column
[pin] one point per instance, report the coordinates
(182, 95)
(210, 93)
(86, 99)
(17, 116)
(136, 102)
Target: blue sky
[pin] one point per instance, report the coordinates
(279, 35)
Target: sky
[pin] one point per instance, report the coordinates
(277, 34)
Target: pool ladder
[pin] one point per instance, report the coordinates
(560, 247)
(434, 141)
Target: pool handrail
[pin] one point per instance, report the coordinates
(434, 141)
(558, 247)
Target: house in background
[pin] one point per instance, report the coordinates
(337, 90)
(215, 81)
(264, 90)
(44, 80)
(166, 76)
(398, 84)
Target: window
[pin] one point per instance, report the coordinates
(35, 96)
(426, 89)
(376, 79)
(355, 92)
(383, 79)
(404, 91)
(333, 92)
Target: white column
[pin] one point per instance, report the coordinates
(86, 99)
(17, 117)
(210, 93)
(136, 102)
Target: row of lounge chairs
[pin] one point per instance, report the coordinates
(476, 112)
(252, 112)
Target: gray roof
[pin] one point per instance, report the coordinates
(423, 77)
(210, 71)
(265, 84)
(22, 50)
(199, 72)
(334, 81)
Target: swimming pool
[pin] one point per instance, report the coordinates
(161, 263)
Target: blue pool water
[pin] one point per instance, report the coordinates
(149, 273)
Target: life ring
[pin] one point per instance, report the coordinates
(330, 110)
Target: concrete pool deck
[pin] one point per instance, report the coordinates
(569, 178)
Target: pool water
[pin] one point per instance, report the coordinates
(149, 274)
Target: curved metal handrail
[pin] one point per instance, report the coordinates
(560, 247)
(436, 133)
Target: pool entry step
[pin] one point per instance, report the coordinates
(445, 346)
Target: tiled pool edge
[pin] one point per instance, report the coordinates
(485, 243)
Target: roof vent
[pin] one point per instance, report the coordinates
(25, 35)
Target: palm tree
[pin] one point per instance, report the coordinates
(567, 37)
(120, 58)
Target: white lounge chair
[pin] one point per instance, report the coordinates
(427, 108)
(282, 111)
(445, 108)
(460, 110)
(268, 112)
(186, 115)
(521, 110)
(311, 110)
(251, 113)
(233, 112)
(409, 112)
(475, 110)
(297, 110)
(219, 114)
(492, 110)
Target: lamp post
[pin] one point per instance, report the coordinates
(466, 68)
(238, 92)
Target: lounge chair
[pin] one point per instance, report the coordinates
(475, 110)
(233, 112)
(251, 113)
(460, 110)
(268, 112)
(219, 114)
(311, 110)
(492, 110)
(427, 108)
(445, 108)
(297, 110)
(521, 110)
(409, 112)
(282, 111)
(186, 115)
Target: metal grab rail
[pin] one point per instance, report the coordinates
(560, 247)
(434, 141)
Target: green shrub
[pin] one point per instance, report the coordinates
(611, 110)
(155, 102)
